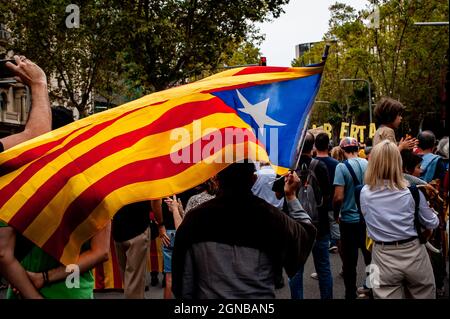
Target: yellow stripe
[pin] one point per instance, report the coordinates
(300, 72)
(108, 271)
(153, 146)
(220, 80)
(187, 179)
(280, 170)
(128, 123)
(122, 126)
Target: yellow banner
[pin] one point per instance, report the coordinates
(357, 131)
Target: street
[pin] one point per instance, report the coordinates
(311, 286)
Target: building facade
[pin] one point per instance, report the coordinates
(14, 97)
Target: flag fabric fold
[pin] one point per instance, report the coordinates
(60, 188)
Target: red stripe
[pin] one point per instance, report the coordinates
(140, 171)
(154, 262)
(115, 267)
(176, 117)
(261, 69)
(7, 191)
(99, 277)
(31, 154)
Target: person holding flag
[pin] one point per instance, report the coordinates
(39, 122)
(70, 182)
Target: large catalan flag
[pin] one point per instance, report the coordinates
(62, 187)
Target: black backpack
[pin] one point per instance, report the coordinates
(415, 194)
(310, 193)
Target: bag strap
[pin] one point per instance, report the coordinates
(415, 194)
(313, 165)
(352, 172)
(357, 189)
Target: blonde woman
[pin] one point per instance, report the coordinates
(401, 262)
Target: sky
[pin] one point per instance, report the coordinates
(303, 21)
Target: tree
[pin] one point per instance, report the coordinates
(75, 58)
(400, 59)
(131, 48)
(172, 40)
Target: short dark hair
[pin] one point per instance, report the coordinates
(350, 149)
(322, 141)
(61, 116)
(410, 160)
(237, 177)
(308, 144)
(426, 139)
(387, 110)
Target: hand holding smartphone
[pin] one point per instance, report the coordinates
(6, 72)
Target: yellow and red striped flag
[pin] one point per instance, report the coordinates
(107, 275)
(62, 187)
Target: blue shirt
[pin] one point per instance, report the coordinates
(342, 177)
(389, 214)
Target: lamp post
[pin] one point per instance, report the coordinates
(433, 24)
(370, 94)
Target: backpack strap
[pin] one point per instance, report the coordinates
(313, 165)
(358, 187)
(415, 194)
(312, 175)
(352, 172)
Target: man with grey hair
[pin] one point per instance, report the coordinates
(442, 148)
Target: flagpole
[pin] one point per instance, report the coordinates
(305, 129)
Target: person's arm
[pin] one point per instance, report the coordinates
(427, 217)
(174, 208)
(97, 254)
(40, 117)
(157, 210)
(10, 267)
(339, 190)
(407, 143)
(300, 235)
(338, 200)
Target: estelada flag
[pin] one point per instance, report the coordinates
(60, 188)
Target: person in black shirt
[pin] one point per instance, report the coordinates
(131, 234)
(320, 251)
(321, 143)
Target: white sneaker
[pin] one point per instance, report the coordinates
(314, 276)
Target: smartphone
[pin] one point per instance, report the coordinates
(6, 72)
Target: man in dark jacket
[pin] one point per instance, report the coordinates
(230, 246)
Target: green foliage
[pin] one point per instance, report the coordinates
(399, 59)
(130, 48)
(172, 40)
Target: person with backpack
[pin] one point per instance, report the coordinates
(392, 215)
(314, 193)
(349, 174)
(432, 165)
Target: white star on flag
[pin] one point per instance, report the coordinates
(258, 112)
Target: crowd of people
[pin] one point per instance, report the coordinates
(234, 235)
